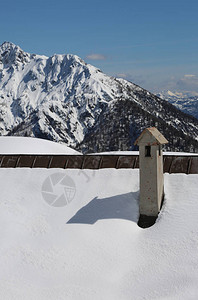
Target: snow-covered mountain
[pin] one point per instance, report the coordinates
(185, 101)
(62, 98)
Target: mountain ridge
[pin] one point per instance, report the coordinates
(185, 101)
(64, 99)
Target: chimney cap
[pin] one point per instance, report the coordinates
(155, 135)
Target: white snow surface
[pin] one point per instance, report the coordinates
(137, 153)
(92, 248)
(116, 153)
(30, 145)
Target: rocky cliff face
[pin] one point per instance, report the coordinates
(62, 98)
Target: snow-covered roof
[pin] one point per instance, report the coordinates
(73, 234)
(90, 246)
(29, 145)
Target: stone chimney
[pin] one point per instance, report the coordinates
(151, 171)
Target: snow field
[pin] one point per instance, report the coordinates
(91, 248)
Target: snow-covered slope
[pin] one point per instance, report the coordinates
(28, 145)
(61, 98)
(61, 91)
(185, 101)
(91, 248)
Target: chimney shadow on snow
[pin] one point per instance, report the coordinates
(125, 206)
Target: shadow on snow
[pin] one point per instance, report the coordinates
(123, 206)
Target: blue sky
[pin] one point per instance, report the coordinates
(153, 43)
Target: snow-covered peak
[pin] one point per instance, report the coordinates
(7, 46)
(12, 54)
(177, 94)
(187, 101)
(61, 90)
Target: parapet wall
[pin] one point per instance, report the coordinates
(172, 164)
